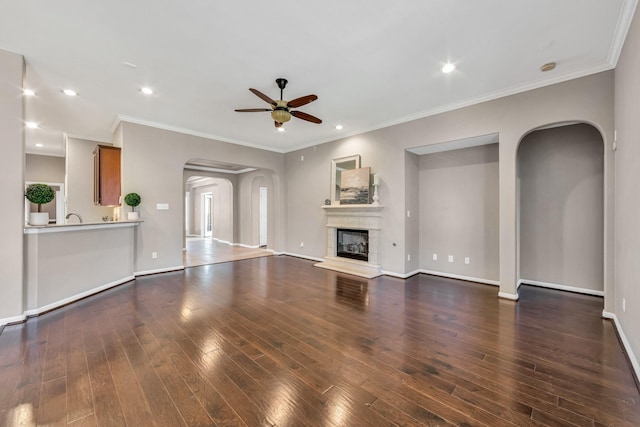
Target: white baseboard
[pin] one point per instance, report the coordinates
(460, 277)
(560, 287)
(625, 342)
(76, 297)
(159, 270)
(401, 275)
(12, 319)
(312, 258)
(506, 295)
(242, 245)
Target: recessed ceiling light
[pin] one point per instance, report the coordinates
(281, 129)
(39, 145)
(146, 90)
(31, 125)
(448, 67)
(548, 66)
(29, 92)
(69, 92)
(339, 127)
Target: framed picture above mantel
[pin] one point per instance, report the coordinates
(355, 187)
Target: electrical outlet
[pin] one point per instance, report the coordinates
(302, 244)
(435, 257)
(467, 260)
(450, 258)
(408, 214)
(302, 158)
(154, 255)
(624, 305)
(408, 257)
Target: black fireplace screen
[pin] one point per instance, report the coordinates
(353, 244)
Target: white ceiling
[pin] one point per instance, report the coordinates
(372, 63)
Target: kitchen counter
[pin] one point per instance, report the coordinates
(57, 228)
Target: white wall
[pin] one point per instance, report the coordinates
(11, 186)
(561, 173)
(627, 201)
(459, 212)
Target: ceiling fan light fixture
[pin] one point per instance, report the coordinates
(281, 116)
(281, 129)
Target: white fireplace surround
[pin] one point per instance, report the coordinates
(355, 217)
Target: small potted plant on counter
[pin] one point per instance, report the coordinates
(133, 200)
(39, 194)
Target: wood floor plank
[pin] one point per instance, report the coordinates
(275, 341)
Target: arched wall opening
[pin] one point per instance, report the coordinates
(560, 208)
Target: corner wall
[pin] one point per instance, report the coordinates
(11, 186)
(627, 198)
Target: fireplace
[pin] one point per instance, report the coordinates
(352, 244)
(353, 240)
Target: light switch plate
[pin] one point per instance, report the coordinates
(162, 206)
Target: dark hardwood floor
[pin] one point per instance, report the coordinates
(275, 341)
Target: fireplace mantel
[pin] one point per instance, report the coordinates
(360, 217)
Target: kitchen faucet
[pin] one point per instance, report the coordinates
(79, 217)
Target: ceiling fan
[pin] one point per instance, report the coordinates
(281, 110)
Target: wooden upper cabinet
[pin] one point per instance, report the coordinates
(106, 183)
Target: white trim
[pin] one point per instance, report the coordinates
(159, 270)
(506, 295)
(401, 275)
(78, 227)
(130, 119)
(622, 28)
(210, 169)
(625, 342)
(461, 277)
(242, 245)
(560, 287)
(76, 297)
(12, 319)
(312, 258)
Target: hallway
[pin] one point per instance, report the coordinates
(202, 251)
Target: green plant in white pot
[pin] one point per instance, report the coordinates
(39, 194)
(133, 200)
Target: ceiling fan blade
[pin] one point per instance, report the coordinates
(305, 116)
(303, 100)
(262, 96)
(277, 123)
(253, 110)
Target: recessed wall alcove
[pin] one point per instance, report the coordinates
(561, 211)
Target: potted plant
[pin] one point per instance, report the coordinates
(133, 200)
(39, 194)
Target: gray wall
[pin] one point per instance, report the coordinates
(627, 156)
(561, 173)
(459, 212)
(159, 178)
(588, 99)
(79, 171)
(44, 168)
(11, 185)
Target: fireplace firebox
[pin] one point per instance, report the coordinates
(352, 244)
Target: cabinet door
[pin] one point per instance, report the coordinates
(107, 176)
